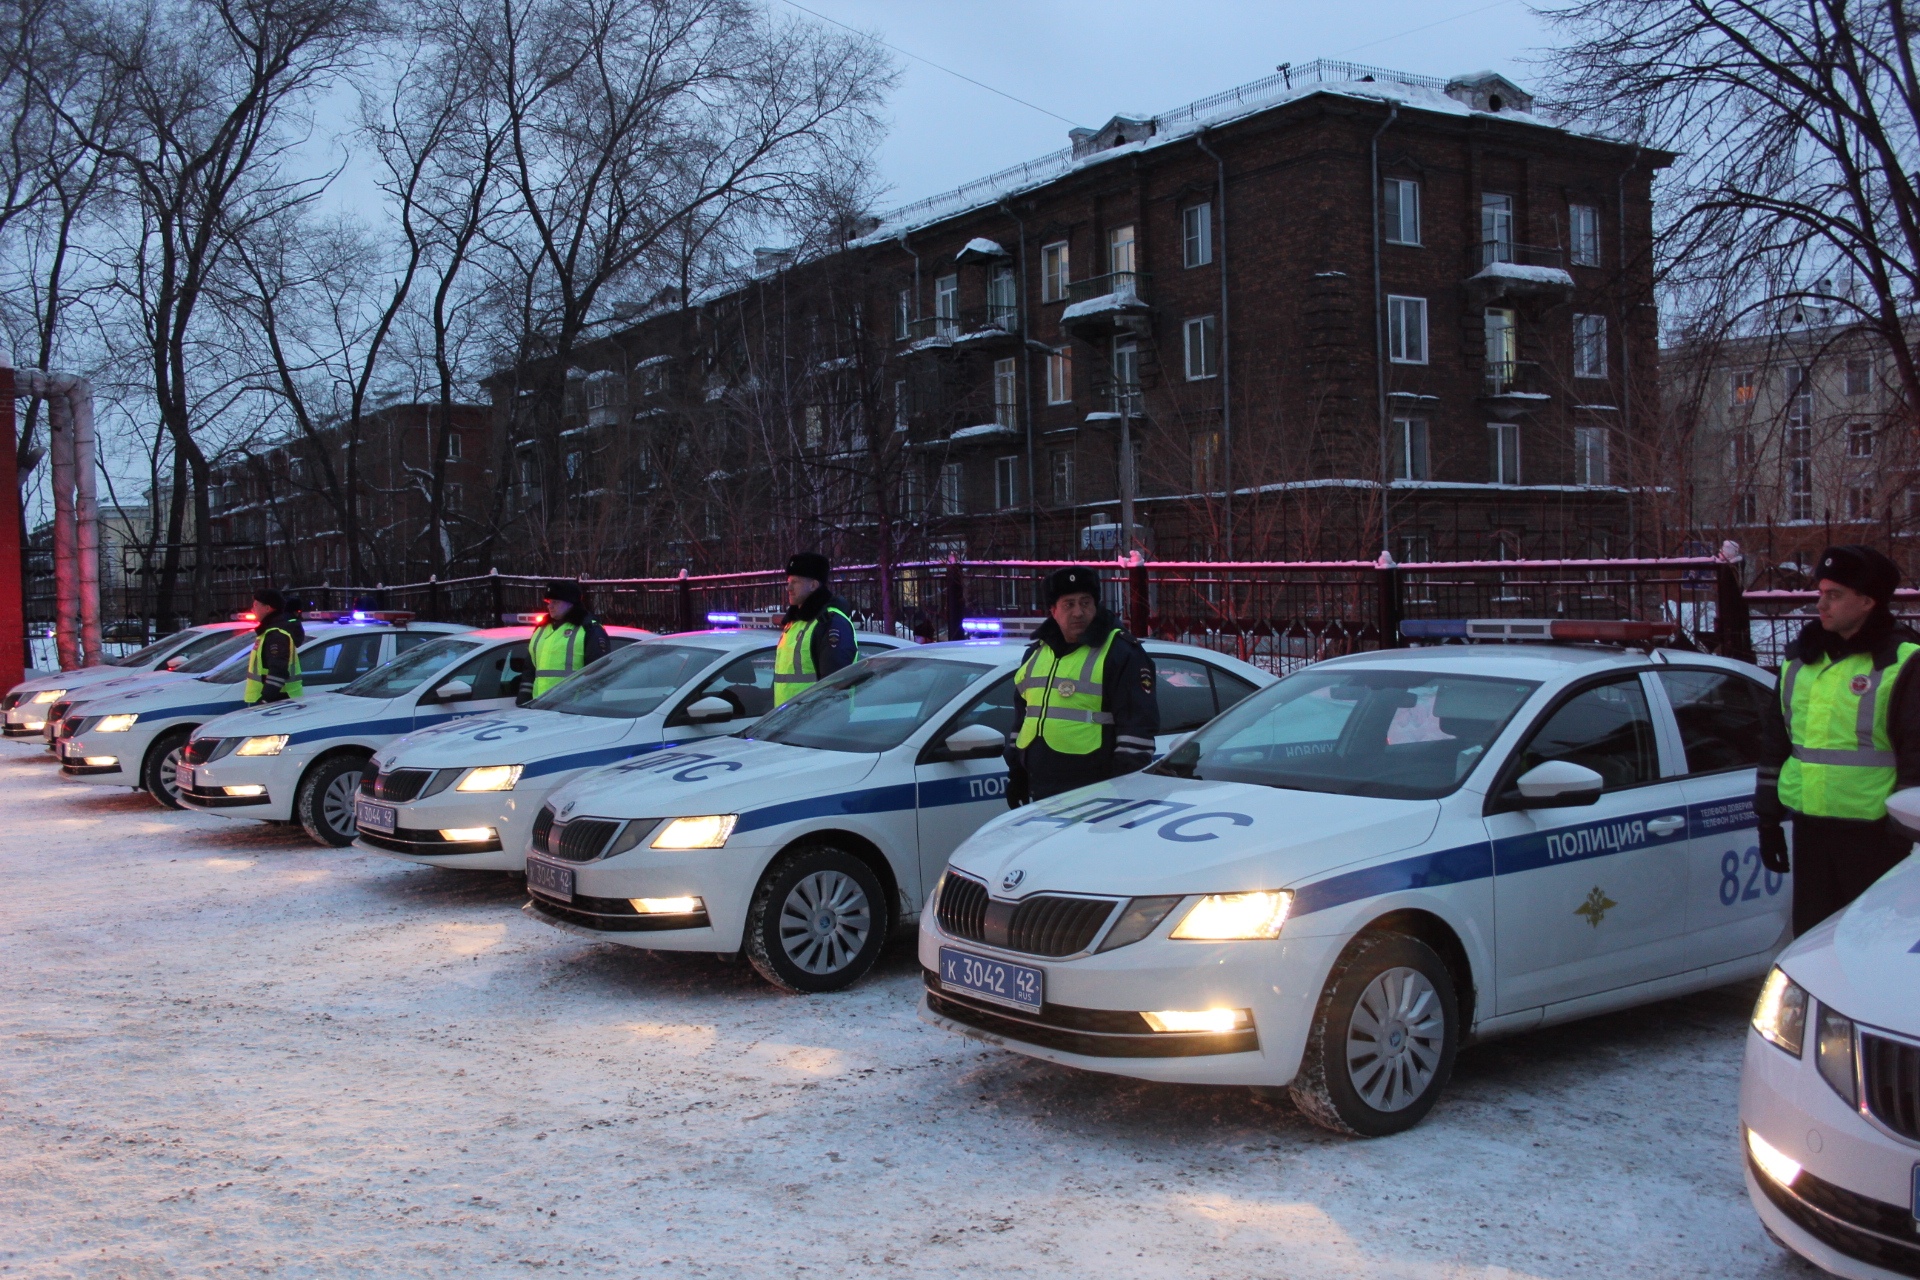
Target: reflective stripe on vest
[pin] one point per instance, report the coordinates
(258, 681)
(1063, 697)
(1842, 761)
(556, 653)
(793, 668)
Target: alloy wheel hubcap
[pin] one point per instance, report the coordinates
(170, 773)
(336, 806)
(1394, 1039)
(825, 921)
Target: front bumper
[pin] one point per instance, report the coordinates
(73, 753)
(418, 823)
(280, 775)
(723, 879)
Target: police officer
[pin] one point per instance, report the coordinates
(816, 637)
(1848, 737)
(568, 640)
(273, 668)
(1085, 708)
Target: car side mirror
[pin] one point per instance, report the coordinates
(174, 663)
(974, 742)
(1904, 808)
(453, 691)
(1558, 783)
(708, 709)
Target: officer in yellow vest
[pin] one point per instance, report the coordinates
(1085, 706)
(816, 637)
(1848, 736)
(273, 668)
(568, 640)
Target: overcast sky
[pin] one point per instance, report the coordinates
(1090, 60)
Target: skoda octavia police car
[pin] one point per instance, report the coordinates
(1830, 1091)
(230, 652)
(135, 738)
(465, 795)
(302, 760)
(1343, 878)
(802, 840)
(27, 703)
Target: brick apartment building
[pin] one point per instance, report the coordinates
(1332, 286)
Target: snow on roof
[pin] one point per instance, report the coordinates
(984, 429)
(981, 247)
(653, 360)
(1524, 271)
(1123, 299)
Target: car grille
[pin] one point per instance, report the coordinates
(58, 711)
(67, 727)
(399, 785)
(1890, 1070)
(582, 839)
(1047, 924)
(200, 750)
(542, 828)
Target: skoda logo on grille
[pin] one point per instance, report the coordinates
(569, 808)
(1012, 879)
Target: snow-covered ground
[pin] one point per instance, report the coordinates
(225, 1051)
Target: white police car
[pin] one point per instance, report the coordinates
(465, 795)
(134, 737)
(27, 704)
(1830, 1090)
(802, 840)
(1336, 883)
(302, 760)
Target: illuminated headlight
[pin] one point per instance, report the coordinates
(1221, 917)
(246, 789)
(49, 695)
(271, 744)
(101, 762)
(1200, 1019)
(666, 906)
(466, 835)
(1772, 1161)
(31, 725)
(491, 777)
(696, 833)
(1780, 1014)
(116, 724)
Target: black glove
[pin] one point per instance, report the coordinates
(1773, 848)
(1019, 786)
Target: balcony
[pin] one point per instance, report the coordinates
(932, 331)
(1507, 271)
(1106, 304)
(1513, 387)
(994, 325)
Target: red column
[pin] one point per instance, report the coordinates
(13, 615)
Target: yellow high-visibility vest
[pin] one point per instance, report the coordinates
(256, 686)
(1063, 697)
(793, 668)
(557, 652)
(1842, 764)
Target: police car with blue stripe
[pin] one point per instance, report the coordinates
(302, 760)
(135, 737)
(802, 840)
(1343, 879)
(465, 794)
(26, 704)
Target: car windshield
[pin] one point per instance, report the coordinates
(406, 672)
(153, 652)
(1395, 735)
(220, 653)
(630, 683)
(870, 706)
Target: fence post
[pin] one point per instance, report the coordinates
(1389, 612)
(956, 601)
(1732, 623)
(685, 602)
(433, 597)
(499, 605)
(1139, 612)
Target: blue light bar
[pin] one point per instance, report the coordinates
(1434, 628)
(981, 626)
(359, 615)
(723, 619)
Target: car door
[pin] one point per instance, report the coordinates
(1735, 906)
(1588, 898)
(746, 682)
(341, 659)
(493, 675)
(954, 798)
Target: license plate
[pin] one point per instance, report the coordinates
(183, 776)
(373, 817)
(1014, 985)
(550, 878)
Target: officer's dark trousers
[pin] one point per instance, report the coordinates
(1051, 772)
(1834, 860)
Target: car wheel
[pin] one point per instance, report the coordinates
(160, 771)
(818, 921)
(324, 804)
(1383, 1038)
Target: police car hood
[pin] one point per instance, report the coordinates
(126, 684)
(84, 678)
(191, 696)
(313, 712)
(1865, 961)
(1144, 834)
(518, 735)
(766, 783)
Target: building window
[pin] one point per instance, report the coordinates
(1504, 441)
(1006, 481)
(1859, 376)
(1590, 455)
(1126, 378)
(1859, 440)
(1746, 508)
(912, 498)
(1496, 229)
(1410, 461)
(1196, 234)
(1589, 346)
(1503, 349)
(1053, 272)
(1799, 488)
(1799, 396)
(1742, 388)
(901, 409)
(1120, 250)
(1207, 457)
(576, 465)
(814, 430)
(903, 314)
(1739, 451)
(453, 446)
(1005, 389)
(1860, 500)
(946, 305)
(1003, 307)
(1062, 477)
(1406, 330)
(1060, 376)
(1415, 547)
(952, 495)
(1401, 199)
(1583, 221)
(1203, 348)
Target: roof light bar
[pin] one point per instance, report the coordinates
(522, 619)
(981, 626)
(400, 617)
(723, 619)
(1536, 629)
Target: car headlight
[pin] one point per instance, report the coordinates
(1775, 1163)
(709, 832)
(1221, 917)
(490, 777)
(49, 695)
(271, 744)
(1215, 1020)
(1833, 1053)
(117, 723)
(1780, 1014)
